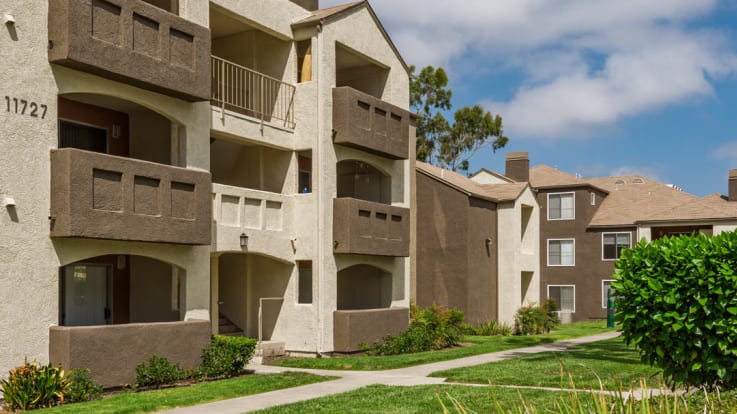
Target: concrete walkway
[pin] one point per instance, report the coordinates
(352, 380)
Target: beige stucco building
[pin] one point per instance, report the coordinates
(174, 169)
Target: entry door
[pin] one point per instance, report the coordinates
(86, 295)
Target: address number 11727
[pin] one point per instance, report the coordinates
(25, 107)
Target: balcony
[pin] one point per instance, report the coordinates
(366, 227)
(134, 42)
(242, 90)
(111, 352)
(370, 124)
(102, 196)
(263, 216)
(352, 327)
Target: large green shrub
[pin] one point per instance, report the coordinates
(158, 372)
(677, 302)
(226, 356)
(31, 386)
(429, 329)
(536, 319)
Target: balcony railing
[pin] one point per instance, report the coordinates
(251, 93)
(102, 196)
(133, 42)
(365, 227)
(265, 217)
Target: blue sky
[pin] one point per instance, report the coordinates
(595, 87)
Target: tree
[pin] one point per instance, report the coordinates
(440, 143)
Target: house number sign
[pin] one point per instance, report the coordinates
(20, 106)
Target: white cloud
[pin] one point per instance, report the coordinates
(726, 151)
(585, 64)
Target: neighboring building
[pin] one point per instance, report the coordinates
(174, 169)
(477, 244)
(586, 222)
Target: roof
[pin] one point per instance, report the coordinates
(492, 192)
(493, 173)
(636, 199)
(326, 15)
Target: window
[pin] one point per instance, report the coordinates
(613, 243)
(561, 206)
(564, 296)
(606, 288)
(305, 282)
(562, 252)
(304, 162)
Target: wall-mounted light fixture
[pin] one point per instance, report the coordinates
(244, 240)
(7, 18)
(489, 242)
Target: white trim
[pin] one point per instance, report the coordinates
(629, 244)
(574, 296)
(593, 198)
(547, 253)
(603, 301)
(547, 212)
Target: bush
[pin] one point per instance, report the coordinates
(677, 302)
(226, 356)
(488, 328)
(31, 386)
(429, 329)
(534, 320)
(158, 372)
(82, 388)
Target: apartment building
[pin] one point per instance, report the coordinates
(477, 243)
(585, 223)
(174, 169)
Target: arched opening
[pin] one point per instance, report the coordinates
(364, 287)
(358, 179)
(250, 285)
(120, 289)
(118, 127)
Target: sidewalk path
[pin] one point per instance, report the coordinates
(351, 380)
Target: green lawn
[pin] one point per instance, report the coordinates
(482, 345)
(617, 365)
(150, 401)
(424, 399)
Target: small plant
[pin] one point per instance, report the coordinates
(158, 372)
(534, 320)
(226, 356)
(429, 329)
(82, 388)
(31, 386)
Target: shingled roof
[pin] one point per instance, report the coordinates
(492, 192)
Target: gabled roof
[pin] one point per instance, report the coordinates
(493, 173)
(545, 176)
(491, 192)
(325, 16)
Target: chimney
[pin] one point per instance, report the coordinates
(310, 5)
(732, 195)
(518, 167)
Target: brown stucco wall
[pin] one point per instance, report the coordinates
(112, 352)
(106, 197)
(365, 227)
(589, 270)
(454, 269)
(134, 42)
(370, 124)
(352, 327)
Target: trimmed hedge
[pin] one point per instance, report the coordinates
(677, 302)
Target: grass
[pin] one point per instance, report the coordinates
(481, 345)
(426, 399)
(150, 401)
(617, 365)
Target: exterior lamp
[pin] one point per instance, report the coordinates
(244, 240)
(489, 242)
(7, 18)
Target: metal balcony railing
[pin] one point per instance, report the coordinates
(251, 93)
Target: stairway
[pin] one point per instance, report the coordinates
(227, 327)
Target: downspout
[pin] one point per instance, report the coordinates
(320, 189)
